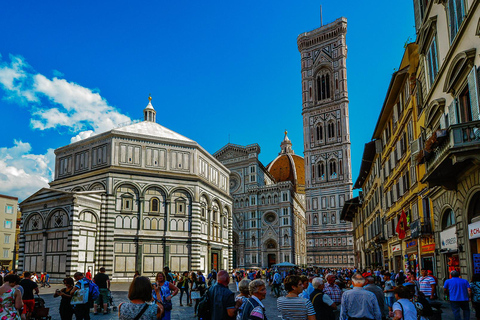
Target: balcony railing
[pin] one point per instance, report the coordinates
(449, 151)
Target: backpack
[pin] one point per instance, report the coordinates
(203, 309)
(400, 279)
(93, 291)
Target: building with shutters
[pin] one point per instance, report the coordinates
(138, 197)
(8, 227)
(269, 224)
(447, 77)
(328, 182)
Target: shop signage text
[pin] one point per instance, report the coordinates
(474, 230)
(396, 248)
(412, 243)
(448, 239)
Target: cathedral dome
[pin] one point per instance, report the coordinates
(288, 166)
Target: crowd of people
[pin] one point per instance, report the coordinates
(302, 294)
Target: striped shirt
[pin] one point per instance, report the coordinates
(426, 285)
(295, 308)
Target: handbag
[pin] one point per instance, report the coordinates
(167, 304)
(80, 296)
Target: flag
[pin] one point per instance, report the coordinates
(402, 226)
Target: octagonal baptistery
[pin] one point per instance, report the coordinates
(135, 198)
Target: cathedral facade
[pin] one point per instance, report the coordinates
(269, 224)
(136, 198)
(326, 144)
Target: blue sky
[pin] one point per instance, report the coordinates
(215, 69)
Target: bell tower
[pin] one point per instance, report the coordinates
(326, 143)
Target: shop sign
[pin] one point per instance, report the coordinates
(474, 230)
(415, 228)
(448, 239)
(428, 245)
(411, 244)
(396, 248)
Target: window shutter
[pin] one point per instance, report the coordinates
(402, 191)
(378, 146)
(394, 192)
(452, 113)
(399, 150)
(472, 88)
(384, 203)
(419, 92)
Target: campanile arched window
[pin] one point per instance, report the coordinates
(323, 85)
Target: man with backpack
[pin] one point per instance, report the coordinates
(276, 284)
(321, 302)
(82, 310)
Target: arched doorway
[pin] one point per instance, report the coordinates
(271, 249)
(474, 231)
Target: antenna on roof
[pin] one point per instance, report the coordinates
(321, 17)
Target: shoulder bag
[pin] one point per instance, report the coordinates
(141, 312)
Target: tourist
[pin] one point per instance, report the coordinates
(81, 310)
(378, 292)
(88, 275)
(307, 287)
(276, 284)
(427, 285)
(137, 274)
(292, 306)
(212, 278)
(195, 290)
(388, 290)
(102, 280)
(11, 298)
(243, 296)
(400, 278)
(66, 309)
(475, 287)
(403, 309)
(458, 290)
(253, 308)
(221, 299)
(332, 289)
(47, 279)
(29, 286)
(163, 292)
(201, 277)
(141, 306)
(182, 284)
(168, 275)
(321, 302)
(358, 302)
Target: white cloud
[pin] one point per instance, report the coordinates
(57, 103)
(21, 172)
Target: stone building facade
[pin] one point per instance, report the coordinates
(269, 223)
(326, 144)
(138, 197)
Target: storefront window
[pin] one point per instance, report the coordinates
(448, 219)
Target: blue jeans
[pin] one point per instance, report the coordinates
(457, 305)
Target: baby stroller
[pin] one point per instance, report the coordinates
(39, 311)
(110, 302)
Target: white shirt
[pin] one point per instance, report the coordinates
(409, 311)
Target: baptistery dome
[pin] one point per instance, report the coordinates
(288, 166)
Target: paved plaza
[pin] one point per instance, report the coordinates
(120, 292)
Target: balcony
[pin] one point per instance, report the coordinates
(450, 153)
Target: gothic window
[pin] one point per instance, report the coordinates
(319, 132)
(333, 169)
(321, 170)
(35, 223)
(253, 241)
(331, 130)
(323, 86)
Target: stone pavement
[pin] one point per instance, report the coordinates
(120, 292)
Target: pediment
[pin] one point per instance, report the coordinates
(45, 193)
(321, 57)
(231, 152)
